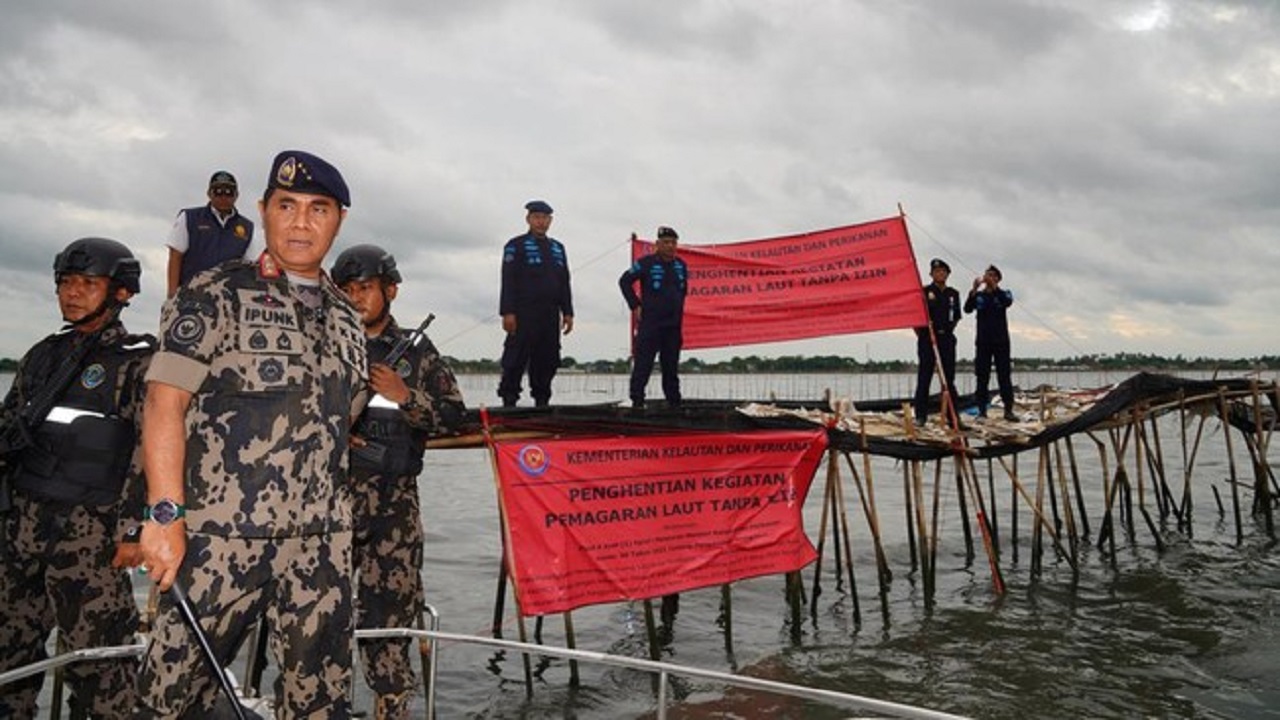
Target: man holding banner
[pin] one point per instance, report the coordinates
(657, 315)
(944, 312)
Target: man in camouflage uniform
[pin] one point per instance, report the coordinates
(250, 399)
(417, 395)
(72, 415)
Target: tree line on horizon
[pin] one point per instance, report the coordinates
(842, 364)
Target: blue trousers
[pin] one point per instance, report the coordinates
(664, 343)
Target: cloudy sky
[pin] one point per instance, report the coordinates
(1120, 160)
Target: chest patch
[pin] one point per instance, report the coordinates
(93, 376)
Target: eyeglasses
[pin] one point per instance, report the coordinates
(223, 191)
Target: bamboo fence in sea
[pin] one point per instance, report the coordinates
(1147, 474)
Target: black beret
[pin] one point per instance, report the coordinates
(936, 263)
(538, 206)
(665, 232)
(302, 172)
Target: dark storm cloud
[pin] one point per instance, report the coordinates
(1116, 159)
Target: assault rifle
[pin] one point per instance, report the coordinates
(374, 453)
(407, 342)
(16, 435)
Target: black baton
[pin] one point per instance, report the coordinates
(189, 615)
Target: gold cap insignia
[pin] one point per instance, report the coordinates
(287, 171)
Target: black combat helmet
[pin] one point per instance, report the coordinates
(102, 257)
(361, 262)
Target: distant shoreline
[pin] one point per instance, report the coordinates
(831, 364)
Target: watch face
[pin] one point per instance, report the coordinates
(164, 512)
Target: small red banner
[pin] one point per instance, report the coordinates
(600, 520)
(853, 279)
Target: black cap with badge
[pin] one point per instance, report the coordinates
(936, 263)
(222, 178)
(302, 172)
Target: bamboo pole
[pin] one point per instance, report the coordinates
(651, 631)
(1106, 533)
(1020, 489)
(1013, 506)
(1139, 450)
(835, 540)
(1050, 480)
(1037, 538)
(882, 561)
(1231, 465)
(935, 530)
(795, 601)
(991, 490)
(867, 500)
(1072, 538)
(726, 613)
(572, 641)
(1262, 491)
(965, 465)
(828, 498)
(917, 490)
(1125, 490)
(1075, 483)
(963, 507)
(1191, 462)
(842, 521)
(1167, 505)
(506, 543)
(907, 472)
(1184, 516)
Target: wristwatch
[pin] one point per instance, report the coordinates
(164, 512)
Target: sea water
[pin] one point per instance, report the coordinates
(1190, 631)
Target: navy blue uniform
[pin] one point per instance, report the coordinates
(944, 313)
(535, 288)
(663, 286)
(992, 345)
(210, 242)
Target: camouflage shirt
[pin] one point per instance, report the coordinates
(277, 371)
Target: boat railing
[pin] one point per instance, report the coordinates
(664, 671)
(433, 636)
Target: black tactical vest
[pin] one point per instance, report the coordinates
(399, 446)
(81, 452)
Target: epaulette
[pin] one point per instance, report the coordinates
(267, 266)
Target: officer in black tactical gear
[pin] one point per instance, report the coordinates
(70, 426)
(416, 396)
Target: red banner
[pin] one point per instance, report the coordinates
(851, 279)
(621, 518)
